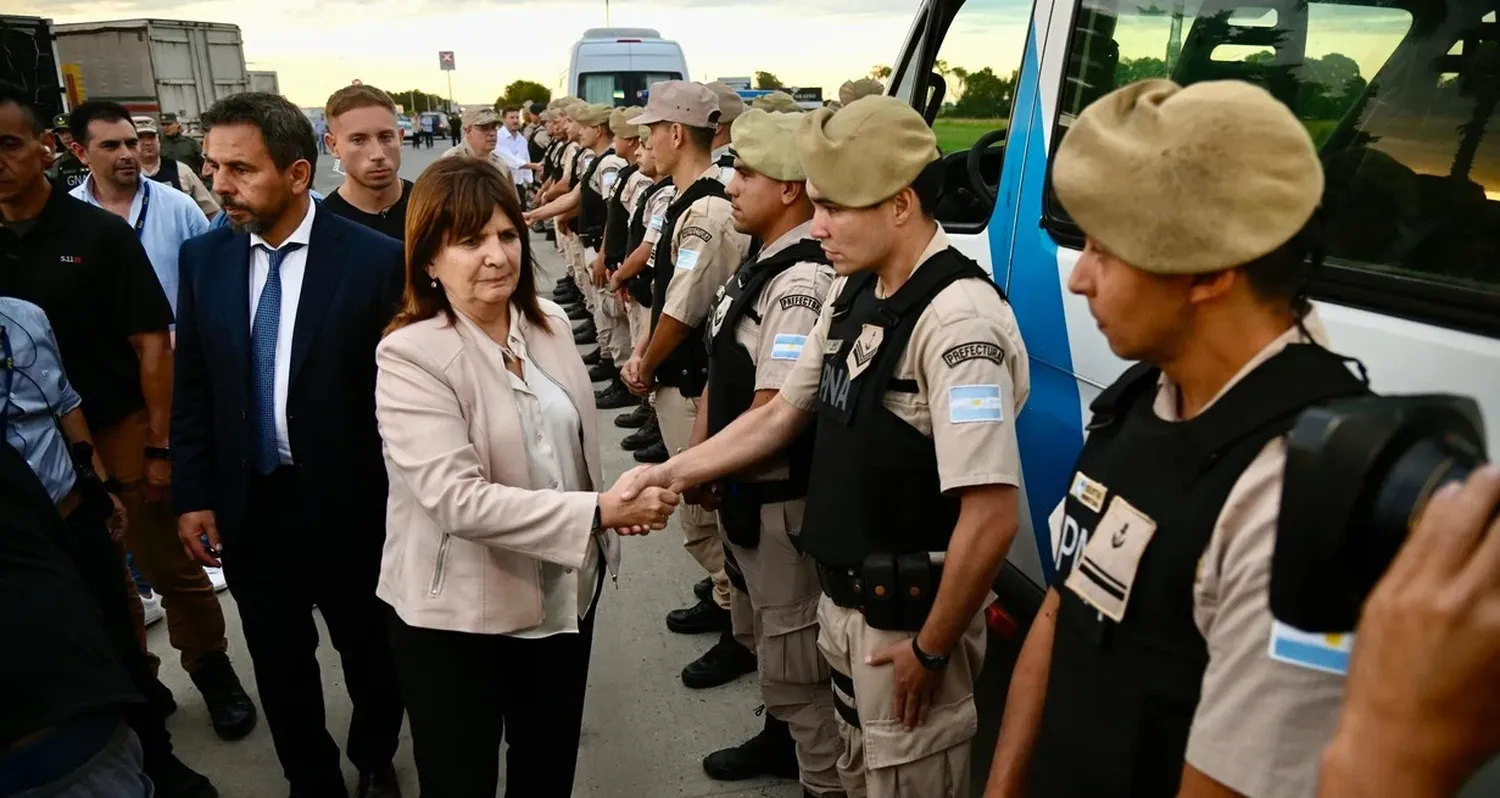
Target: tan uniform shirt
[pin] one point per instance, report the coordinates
(656, 217)
(569, 153)
(192, 185)
(462, 150)
(706, 251)
(603, 182)
(788, 306)
(633, 190)
(1261, 723)
(966, 337)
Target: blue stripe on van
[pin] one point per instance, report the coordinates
(1050, 427)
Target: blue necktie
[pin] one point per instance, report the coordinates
(263, 333)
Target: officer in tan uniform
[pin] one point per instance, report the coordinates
(698, 249)
(759, 327)
(731, 105)
(914, 374)
(574, 159)
(481, 126)
(1155, 667)
(777, 102)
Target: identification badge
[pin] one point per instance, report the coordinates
(1107, 569)
(720, 312)
(1089, 493)
(862, 354)
(832, 347)
(1320, 652)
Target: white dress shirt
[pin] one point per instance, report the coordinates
(513, 149)
(554, 457)
(293, 267)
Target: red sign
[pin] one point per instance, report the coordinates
(445, 60)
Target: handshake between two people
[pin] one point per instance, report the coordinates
(640, 501)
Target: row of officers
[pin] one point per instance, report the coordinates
(838, 388)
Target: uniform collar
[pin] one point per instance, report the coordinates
(302, 235)
(790, 237)
(720, 152)
(711, 173)
(1166, 394)
(939, 243)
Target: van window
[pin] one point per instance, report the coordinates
(620, 89)
(1400, 99)
(979, 64)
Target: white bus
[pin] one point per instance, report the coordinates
(613, 66)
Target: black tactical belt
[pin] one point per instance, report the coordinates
(843, 586)
(764, 493)
(893, 592)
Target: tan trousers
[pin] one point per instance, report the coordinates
(640, 323)
(675, 414)
(609, 318)
(781, 615)
(882, 759)
(195, 620)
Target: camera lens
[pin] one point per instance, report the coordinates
(1417, 471)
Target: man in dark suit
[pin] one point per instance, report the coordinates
(277, 458)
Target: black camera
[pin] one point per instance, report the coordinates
(1358, 473)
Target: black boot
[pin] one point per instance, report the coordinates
(159, 696)
(586, 334)
(704, 590)
(176, 780)
(229, 708)
(773, 752)
(647, 435)
(578, 313)
(655, 453)
(604, 371)
(636, 418)
(705, 616)
(592, 358)
(381, 783)
(722, 664)
(614, 397)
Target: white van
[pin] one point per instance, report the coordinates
(612, 66)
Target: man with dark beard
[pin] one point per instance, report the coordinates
(275, 444)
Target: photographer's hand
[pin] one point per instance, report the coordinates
(1421, 709)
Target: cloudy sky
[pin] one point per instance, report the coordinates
(318, 45)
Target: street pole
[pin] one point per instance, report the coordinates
(451, 106)
(606, 13)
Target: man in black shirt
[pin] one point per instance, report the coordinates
(364, 136)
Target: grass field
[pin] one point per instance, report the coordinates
(956, 135)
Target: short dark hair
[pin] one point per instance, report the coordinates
(11, 93)
(929, 187)
(701, 137)
(289, 135)
(101, 110)
(1282, 274)
(536, 109)
(351, 97)
(510, 109)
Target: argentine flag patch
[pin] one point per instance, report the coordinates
(787, 347)
(687, 259)
(1320, 652)
(971, 404)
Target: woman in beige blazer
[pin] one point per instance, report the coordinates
(497, 537)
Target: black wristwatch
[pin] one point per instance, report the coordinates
(598, 518)
(158, 453)
(928, 661)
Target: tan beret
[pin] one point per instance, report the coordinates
(865, 153)
(731, 104)
(767, 143)
(645, 131)
(592, 115)
(1190, 180)
(777, 102)
(864, 87)
(621, 127)
(561, 101)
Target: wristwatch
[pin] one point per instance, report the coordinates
(928, 661)
(598, 518)
(158, 453)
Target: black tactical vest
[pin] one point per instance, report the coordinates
(875, 485)
(593, 209)
(168, 174)
(573, 174)
(1121, 696)
(731, 378)
(640, 285)
(71, 173)
(550, 169)
(617, 221)
(686, 369)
